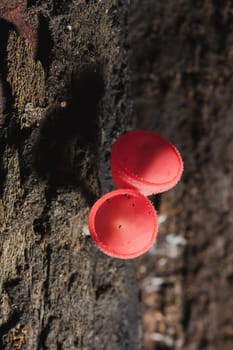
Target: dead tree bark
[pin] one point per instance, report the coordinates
(66, 100)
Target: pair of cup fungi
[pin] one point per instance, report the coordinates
(123, 223)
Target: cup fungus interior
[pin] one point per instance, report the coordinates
(147, 158)
(123, 223)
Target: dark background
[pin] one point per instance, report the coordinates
(181, 62)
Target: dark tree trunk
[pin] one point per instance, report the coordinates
(182, 78)
(66, 100)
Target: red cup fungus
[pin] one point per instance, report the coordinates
(145, 161)
(123, 223)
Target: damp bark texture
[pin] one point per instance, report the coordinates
(63, 101)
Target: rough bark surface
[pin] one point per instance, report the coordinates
(182, 78)
(64, 108)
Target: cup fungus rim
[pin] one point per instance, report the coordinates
(105, 248)
(121, 168)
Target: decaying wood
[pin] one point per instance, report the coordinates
(67, 106)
